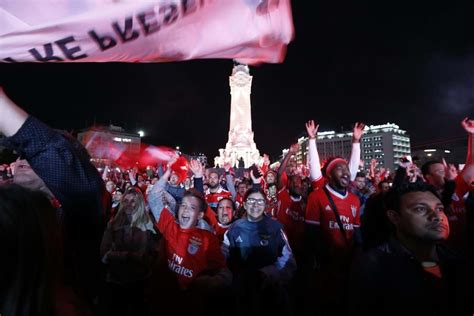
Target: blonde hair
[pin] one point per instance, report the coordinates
(140, 218)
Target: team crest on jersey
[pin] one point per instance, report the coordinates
(264, 240)
(194, 244)
(354, 210)
(192, 249)
(328, 208)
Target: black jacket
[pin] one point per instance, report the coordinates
(388, 280)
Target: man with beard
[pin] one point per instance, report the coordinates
(333, 232)
(215, 192)
(361, 188)
(242, 188)
(332, 221)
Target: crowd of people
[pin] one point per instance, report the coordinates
(332, 239)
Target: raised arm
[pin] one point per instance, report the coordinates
(105, 173)
(293, 150)
(256, 182)
(467, 172)
(132, 176)
(373, 165)
(59, 160)
(354, 161)
(158, 198)
(314, 162)
(265, 164)
(197, 169)
(12, 117)
(230, 180)
(64, 166)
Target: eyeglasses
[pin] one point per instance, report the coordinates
(252, 202)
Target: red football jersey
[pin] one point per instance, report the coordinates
(213, 199)
(457, 216)
(291, 213)
(220, 230)
(319, 212)
(318, 183)
(210, 217)
(239, 201)
(189, 251)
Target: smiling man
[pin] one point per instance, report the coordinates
(413, 273)
(333, 231)
(331, 200)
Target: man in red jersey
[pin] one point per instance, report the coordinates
(291, 213)
(215, 192)
(333, 233)
(323, 203)
(316, 176)
(242, 188)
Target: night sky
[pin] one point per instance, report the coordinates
(411, 64)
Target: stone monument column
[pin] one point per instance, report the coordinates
(240, 143)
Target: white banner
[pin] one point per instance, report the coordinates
(250, 31)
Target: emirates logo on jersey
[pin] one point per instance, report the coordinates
(354, 210)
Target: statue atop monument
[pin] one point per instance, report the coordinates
(241, 143)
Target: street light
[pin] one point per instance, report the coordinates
(141, 133)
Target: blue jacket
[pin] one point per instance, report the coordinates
(259, 246)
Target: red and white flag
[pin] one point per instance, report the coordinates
(250, 31)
